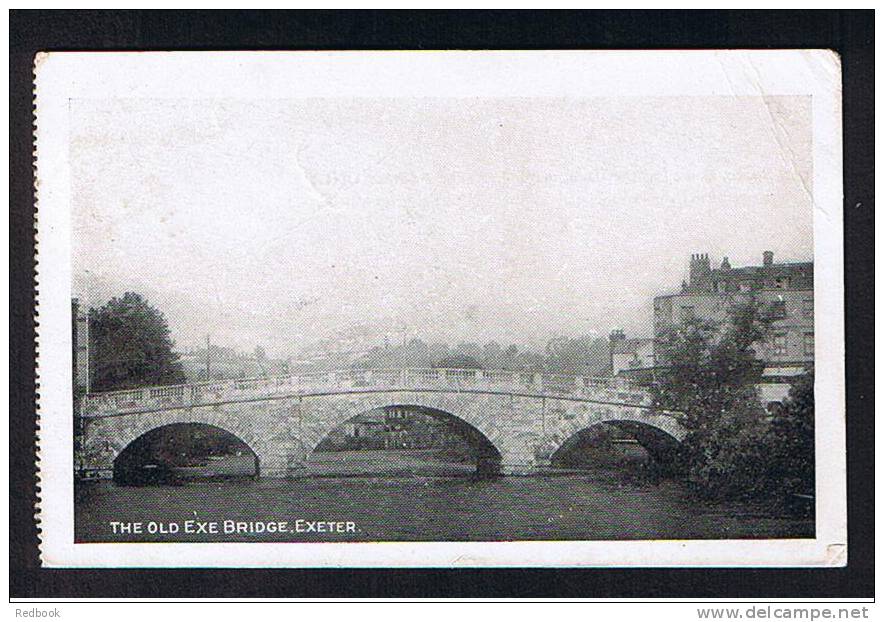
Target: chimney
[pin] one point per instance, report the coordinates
(768, 258)
(700, 272)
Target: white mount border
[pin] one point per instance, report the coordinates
(277, 75)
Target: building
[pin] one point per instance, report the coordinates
(630, 353)
(79, 369)
(786, 289)
(80, 344)
(392, 428)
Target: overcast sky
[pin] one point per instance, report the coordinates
(280, 223)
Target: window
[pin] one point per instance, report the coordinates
(687, 313)
(779, 344)
(745, 286)
(808, 344)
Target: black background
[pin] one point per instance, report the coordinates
(850, 33)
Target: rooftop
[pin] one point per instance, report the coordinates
(768, 275)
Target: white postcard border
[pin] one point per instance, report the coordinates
(279, 75)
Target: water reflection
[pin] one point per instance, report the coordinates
(599, 505)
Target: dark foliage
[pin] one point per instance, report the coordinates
(131, 346)
(710, 378)
(792, 456)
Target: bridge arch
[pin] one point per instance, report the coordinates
(660, 434)
(107, 437)
(479, 411)
(661, 446)
(127, 460)
(487, 455)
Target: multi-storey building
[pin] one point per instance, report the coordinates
(786, 289)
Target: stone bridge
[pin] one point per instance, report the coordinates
(524, 417)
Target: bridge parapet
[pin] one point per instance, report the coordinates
(589, 388)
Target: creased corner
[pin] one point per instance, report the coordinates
(836, 555)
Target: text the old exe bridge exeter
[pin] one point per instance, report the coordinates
(520, 419)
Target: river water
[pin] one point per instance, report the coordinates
(594, 505)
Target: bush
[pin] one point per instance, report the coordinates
(727, 457)
(710, 375)
(792, 466)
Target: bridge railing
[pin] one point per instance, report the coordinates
(614, 390)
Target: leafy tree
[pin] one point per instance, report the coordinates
(511, 358)
(261, 359)
(131, 346)
(529, 361)
(415, 353)
(709, 376)
(792, 459)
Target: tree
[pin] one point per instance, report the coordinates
(458, 361)
(492, 355)
(511, 358)
(469, 350)
(709, 376)
(131, 346)
(565, 355)
(260, 354)
(792, 459)
(415, 353)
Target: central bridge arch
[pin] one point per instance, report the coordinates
(484, 452)
(481, 418)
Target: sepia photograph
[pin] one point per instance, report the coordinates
(443, 298)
